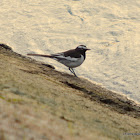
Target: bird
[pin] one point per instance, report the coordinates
(71, 58)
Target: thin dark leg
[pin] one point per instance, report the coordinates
(72, 71)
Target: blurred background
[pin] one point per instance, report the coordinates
(111, 29)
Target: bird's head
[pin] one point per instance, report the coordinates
(82, 48)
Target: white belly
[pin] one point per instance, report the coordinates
(74, 63)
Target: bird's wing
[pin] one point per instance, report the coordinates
(70, 55)
(62, 56)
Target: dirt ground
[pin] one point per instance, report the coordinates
(39, 103)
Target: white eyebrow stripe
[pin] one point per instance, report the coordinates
(82, 47)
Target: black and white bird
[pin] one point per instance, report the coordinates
(71, 58)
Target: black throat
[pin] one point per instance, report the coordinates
(84, 54)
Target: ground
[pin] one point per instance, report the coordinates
(39, 103)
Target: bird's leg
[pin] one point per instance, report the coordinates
(72, 71)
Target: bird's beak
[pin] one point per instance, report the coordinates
(87, 49)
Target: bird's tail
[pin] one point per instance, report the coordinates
(42, 55)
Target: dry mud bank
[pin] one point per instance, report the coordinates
(39, 103)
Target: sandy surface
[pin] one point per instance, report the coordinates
(111, 28)
(40, 103)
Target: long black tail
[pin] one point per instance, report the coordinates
(42, 55)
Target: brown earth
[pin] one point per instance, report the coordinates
(39, 103)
